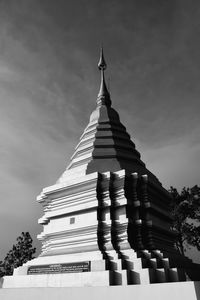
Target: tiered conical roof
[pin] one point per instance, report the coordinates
(105, 145)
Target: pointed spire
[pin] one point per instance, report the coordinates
(102, 64)
(103, 95)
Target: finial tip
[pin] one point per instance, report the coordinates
(102, 64)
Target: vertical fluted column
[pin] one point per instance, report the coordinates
(103, 213)
(119, 211)
(133, 212)
(145, 214)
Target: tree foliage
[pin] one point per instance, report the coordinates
(21, 252)
(185, 208)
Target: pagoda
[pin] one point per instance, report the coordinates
(107, 219)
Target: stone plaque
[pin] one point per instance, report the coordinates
(74, 267)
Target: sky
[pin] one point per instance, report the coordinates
(49, 82)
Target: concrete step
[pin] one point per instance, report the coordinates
(165, 291)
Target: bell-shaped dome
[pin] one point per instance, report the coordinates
(105, 144)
